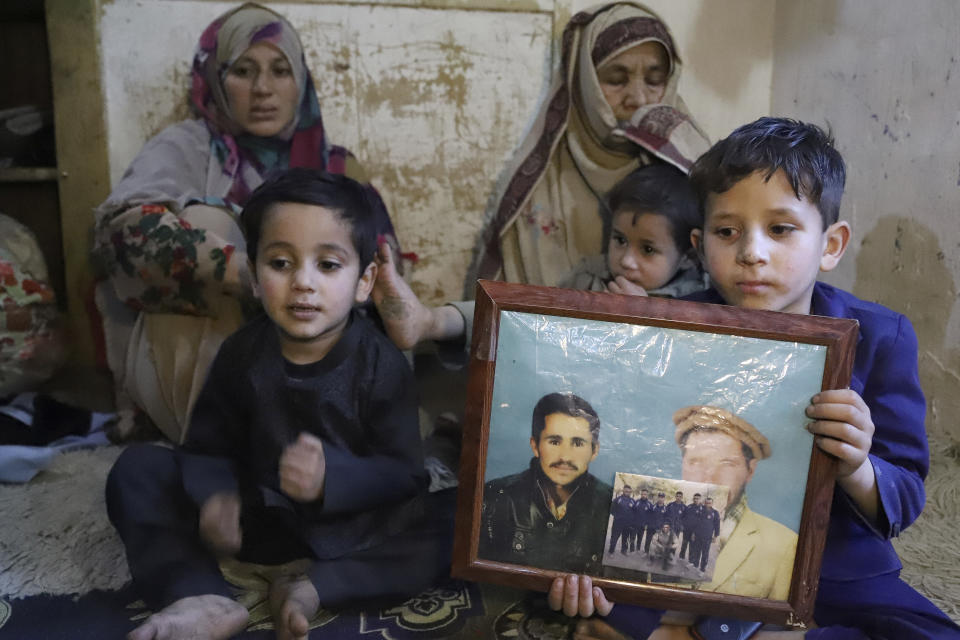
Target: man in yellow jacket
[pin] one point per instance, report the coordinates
(756, 553)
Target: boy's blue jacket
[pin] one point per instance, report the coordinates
(885, 375)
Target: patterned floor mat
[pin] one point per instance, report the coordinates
(453, 610)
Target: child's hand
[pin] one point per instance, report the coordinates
(303, 469)
(220, 523)
(844, 429)
(625, 287)
(843, 426)
(576, 595)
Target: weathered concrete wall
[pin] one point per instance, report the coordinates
(432, 97)
(888, 82)
(887, 79)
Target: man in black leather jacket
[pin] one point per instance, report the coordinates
(553, 515)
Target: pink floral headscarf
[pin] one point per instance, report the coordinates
(301, 144)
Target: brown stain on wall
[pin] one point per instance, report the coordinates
(411, 189)
(332, 73)
(153, 120)
(437, 201)
(467, 182)
(426, 72)
(330, 57)
(901, 265)
(485, 5)
(431, 289)
(438, 210)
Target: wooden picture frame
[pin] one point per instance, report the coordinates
(647, 363)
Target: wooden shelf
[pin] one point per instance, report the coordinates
(29, 174)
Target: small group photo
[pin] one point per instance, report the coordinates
(664, 530)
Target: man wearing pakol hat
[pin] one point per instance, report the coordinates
(756, 553)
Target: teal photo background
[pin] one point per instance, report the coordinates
(635, 377)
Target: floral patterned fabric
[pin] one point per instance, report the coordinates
(163, 264)
(31, 342)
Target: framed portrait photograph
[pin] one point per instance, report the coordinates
(658, 446)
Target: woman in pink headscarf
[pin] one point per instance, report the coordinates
(167, 238)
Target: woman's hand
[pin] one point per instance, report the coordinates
(405, 318)
(576, 595)
(303, 469)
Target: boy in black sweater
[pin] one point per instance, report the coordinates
(304, 442)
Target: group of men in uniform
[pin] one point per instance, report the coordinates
(637, 520)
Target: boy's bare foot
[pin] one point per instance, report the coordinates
(405, 318)
(208, 617)
(293, 602)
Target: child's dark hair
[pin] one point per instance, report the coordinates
(351, 201)
(661, 189)
(804, 151)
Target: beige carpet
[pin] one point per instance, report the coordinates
(929, 548)
(54, 534)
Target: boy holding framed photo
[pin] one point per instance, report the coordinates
(771, 196)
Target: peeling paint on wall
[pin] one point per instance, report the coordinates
(155, 118)
(426, 72)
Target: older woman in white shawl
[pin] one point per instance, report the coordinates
(613, 106)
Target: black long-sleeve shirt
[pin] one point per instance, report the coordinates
(359, 400)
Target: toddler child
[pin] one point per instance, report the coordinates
(647, 219)
(304, 442)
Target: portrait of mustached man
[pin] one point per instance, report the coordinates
(554, 514)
